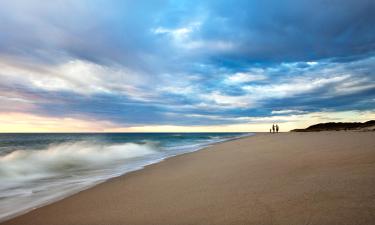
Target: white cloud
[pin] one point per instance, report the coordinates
(181, 34)
(255, 94)
(177, 34)
(287, 111)
(312, 63)
(244, 77)
(76, 76)
(218, 100)
(211, 45)
(289, 88)
(339, 83)
(182, 37)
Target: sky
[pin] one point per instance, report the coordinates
(184, 66)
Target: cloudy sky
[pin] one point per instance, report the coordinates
(107, 65)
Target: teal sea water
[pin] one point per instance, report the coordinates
(36, 169)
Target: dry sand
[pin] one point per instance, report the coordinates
(289, 178)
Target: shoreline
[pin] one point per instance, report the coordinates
(79, 190)
(214, 181)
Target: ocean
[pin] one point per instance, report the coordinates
(36, 169)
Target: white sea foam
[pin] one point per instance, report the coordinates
(30, 178)
(67, 158)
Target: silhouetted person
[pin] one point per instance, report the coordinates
(273, 128)
(270, 130)
(277, 128)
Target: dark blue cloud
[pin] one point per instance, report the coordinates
(119, 31)
(159, 63)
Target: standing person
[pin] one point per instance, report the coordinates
(277, 128)
(273, 128)
(270, 130)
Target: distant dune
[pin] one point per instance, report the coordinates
(366, 126)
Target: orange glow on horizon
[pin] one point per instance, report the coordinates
(24, 122)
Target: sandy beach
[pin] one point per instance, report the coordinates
(287, 178)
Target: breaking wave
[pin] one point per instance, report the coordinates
(68, 158)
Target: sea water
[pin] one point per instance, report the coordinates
(36, 169)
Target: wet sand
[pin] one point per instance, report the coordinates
(287, 178)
